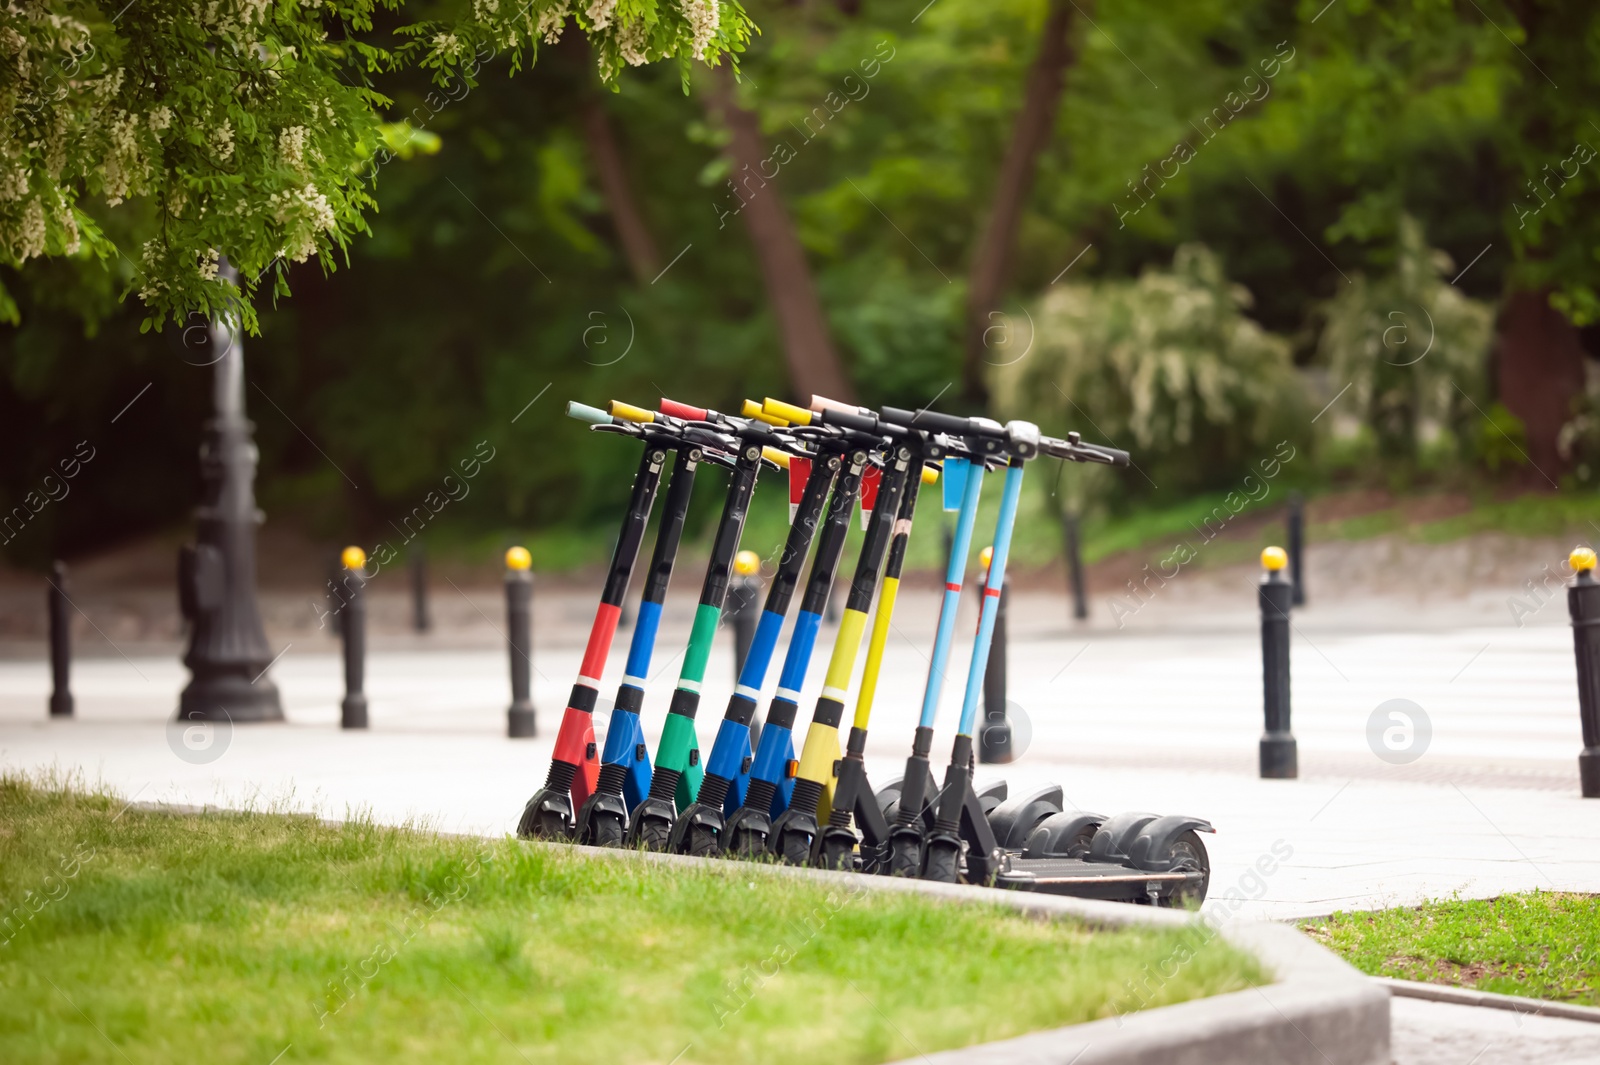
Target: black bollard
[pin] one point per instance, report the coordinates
(420, 621)
(353, 711)
(1583, 603)
(1279, 755)
(519, 622)
(1297, 546)
(1080, 601)
(994, 746)
(336, 594)
(60, 643)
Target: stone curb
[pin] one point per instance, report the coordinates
(1320, 1011)
(1466, 996)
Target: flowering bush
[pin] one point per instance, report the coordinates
(1166, 366)
(250, 128)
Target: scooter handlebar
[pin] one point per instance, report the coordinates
(933, 422)
(585, 413)
(1078, 451)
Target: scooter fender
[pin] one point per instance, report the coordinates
(991, 795)
(1151, 849)
(598, 803)
(1015, 819)
(1111, 843)
(1063, 835)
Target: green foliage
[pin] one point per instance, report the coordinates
(1166, 366)
(167, 134)
(1543, 944)
(1410, 346)
(132, 937)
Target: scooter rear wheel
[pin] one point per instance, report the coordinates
(1189, 856)
(542, 824)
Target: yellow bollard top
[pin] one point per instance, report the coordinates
(746, 563)
(1274, 558)
(517, 558)
(986, 556)
(353, 558)
(1582, 559)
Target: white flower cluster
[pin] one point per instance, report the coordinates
(292, 147)
(222, 140)
(13, 181)
(631, 42)
(704, 16)
(30, 235)
(484, 10)
(600, 12)
(552, 20)
(209, 264)
(446, 46)
(160, 119)
(125, 167)
(304, 213)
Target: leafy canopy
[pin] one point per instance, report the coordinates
(166, 134)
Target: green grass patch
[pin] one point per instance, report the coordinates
(138, 937)
(1542, 945)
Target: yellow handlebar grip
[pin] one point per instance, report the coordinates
(788, 411)
(628, 412)
(752, 410)
(930, 474)
(772, 454)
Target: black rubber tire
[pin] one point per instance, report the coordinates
(607, 830)
(942, 863)
(836, 854)
(654, 834)
(905, 857)
(794, 848)
(747, 845)
(1188, 855)
(701, 842)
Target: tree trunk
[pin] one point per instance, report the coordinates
(1029, 135)
(814, 366)
(1538, 372)
(626, 216)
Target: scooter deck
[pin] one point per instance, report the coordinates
(1085, 879)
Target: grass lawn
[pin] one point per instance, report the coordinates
(131, 937)
(1542, 945)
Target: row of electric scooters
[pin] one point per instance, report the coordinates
(759, 800)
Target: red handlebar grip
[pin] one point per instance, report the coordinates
(675, 409)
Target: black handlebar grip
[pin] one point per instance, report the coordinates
(843, 419)
(931, 421)
(1113, 456)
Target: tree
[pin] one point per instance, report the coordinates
(165, 135)
(1034, 124)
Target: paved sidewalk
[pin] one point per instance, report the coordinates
(1442, 1033)
(1161, 715)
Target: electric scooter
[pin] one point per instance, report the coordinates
(676, 779)
(700, 828)
(574, 770)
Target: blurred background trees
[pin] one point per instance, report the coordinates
(1178, 226)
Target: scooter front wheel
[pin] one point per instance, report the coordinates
(836, 854)
(607, 830)
(654, 833)
(942, 862)
(794, 848)
(700, 841)
(905, 857)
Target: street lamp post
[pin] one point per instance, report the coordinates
(228, 654)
